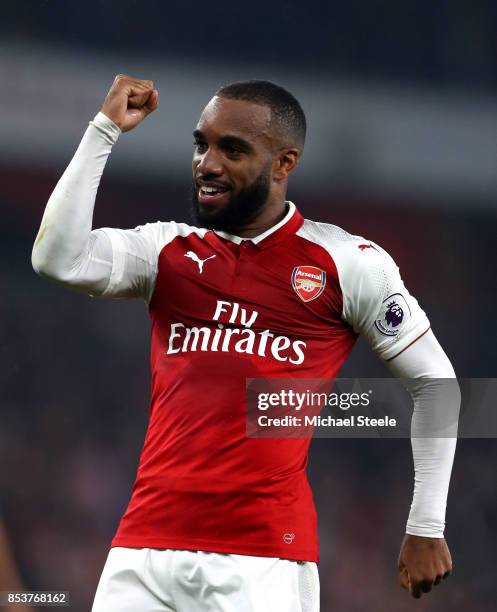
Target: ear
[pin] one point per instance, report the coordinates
(285, 163)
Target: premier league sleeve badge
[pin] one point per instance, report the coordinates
(393, 314)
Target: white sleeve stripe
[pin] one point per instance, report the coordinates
(118, 262)
(97, 260)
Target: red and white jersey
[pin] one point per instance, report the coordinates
(288, 303)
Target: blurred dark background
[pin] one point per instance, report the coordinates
(401, 100)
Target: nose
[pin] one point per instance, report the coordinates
(209, 163)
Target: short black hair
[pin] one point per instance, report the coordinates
(286, 113)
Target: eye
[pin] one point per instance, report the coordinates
(233, 152)
(200, 146)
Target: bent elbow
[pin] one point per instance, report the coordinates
(44, 265)
(39, 262)
(46, 257)
(39, 259)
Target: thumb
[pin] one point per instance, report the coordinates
(404, 580)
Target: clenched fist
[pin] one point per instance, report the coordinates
(423, 564)
(129, 101)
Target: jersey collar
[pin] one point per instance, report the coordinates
(289, 225)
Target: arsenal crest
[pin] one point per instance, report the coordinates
(309, 282)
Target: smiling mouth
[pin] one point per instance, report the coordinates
(212, 194)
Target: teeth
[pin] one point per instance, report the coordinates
(207, 189)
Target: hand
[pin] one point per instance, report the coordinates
(129, 101)
(423, 563)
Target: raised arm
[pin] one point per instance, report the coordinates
(66, 250)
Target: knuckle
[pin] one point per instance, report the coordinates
(121, 80)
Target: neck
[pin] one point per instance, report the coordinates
(272, 214)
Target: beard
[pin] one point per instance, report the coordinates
(239, 212)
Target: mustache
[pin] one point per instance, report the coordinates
(210, 180)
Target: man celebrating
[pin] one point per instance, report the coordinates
(218, 521)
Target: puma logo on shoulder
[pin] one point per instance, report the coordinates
(367, 246)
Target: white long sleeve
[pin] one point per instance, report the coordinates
(65, 249)
(377, 304)
(425, 365)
